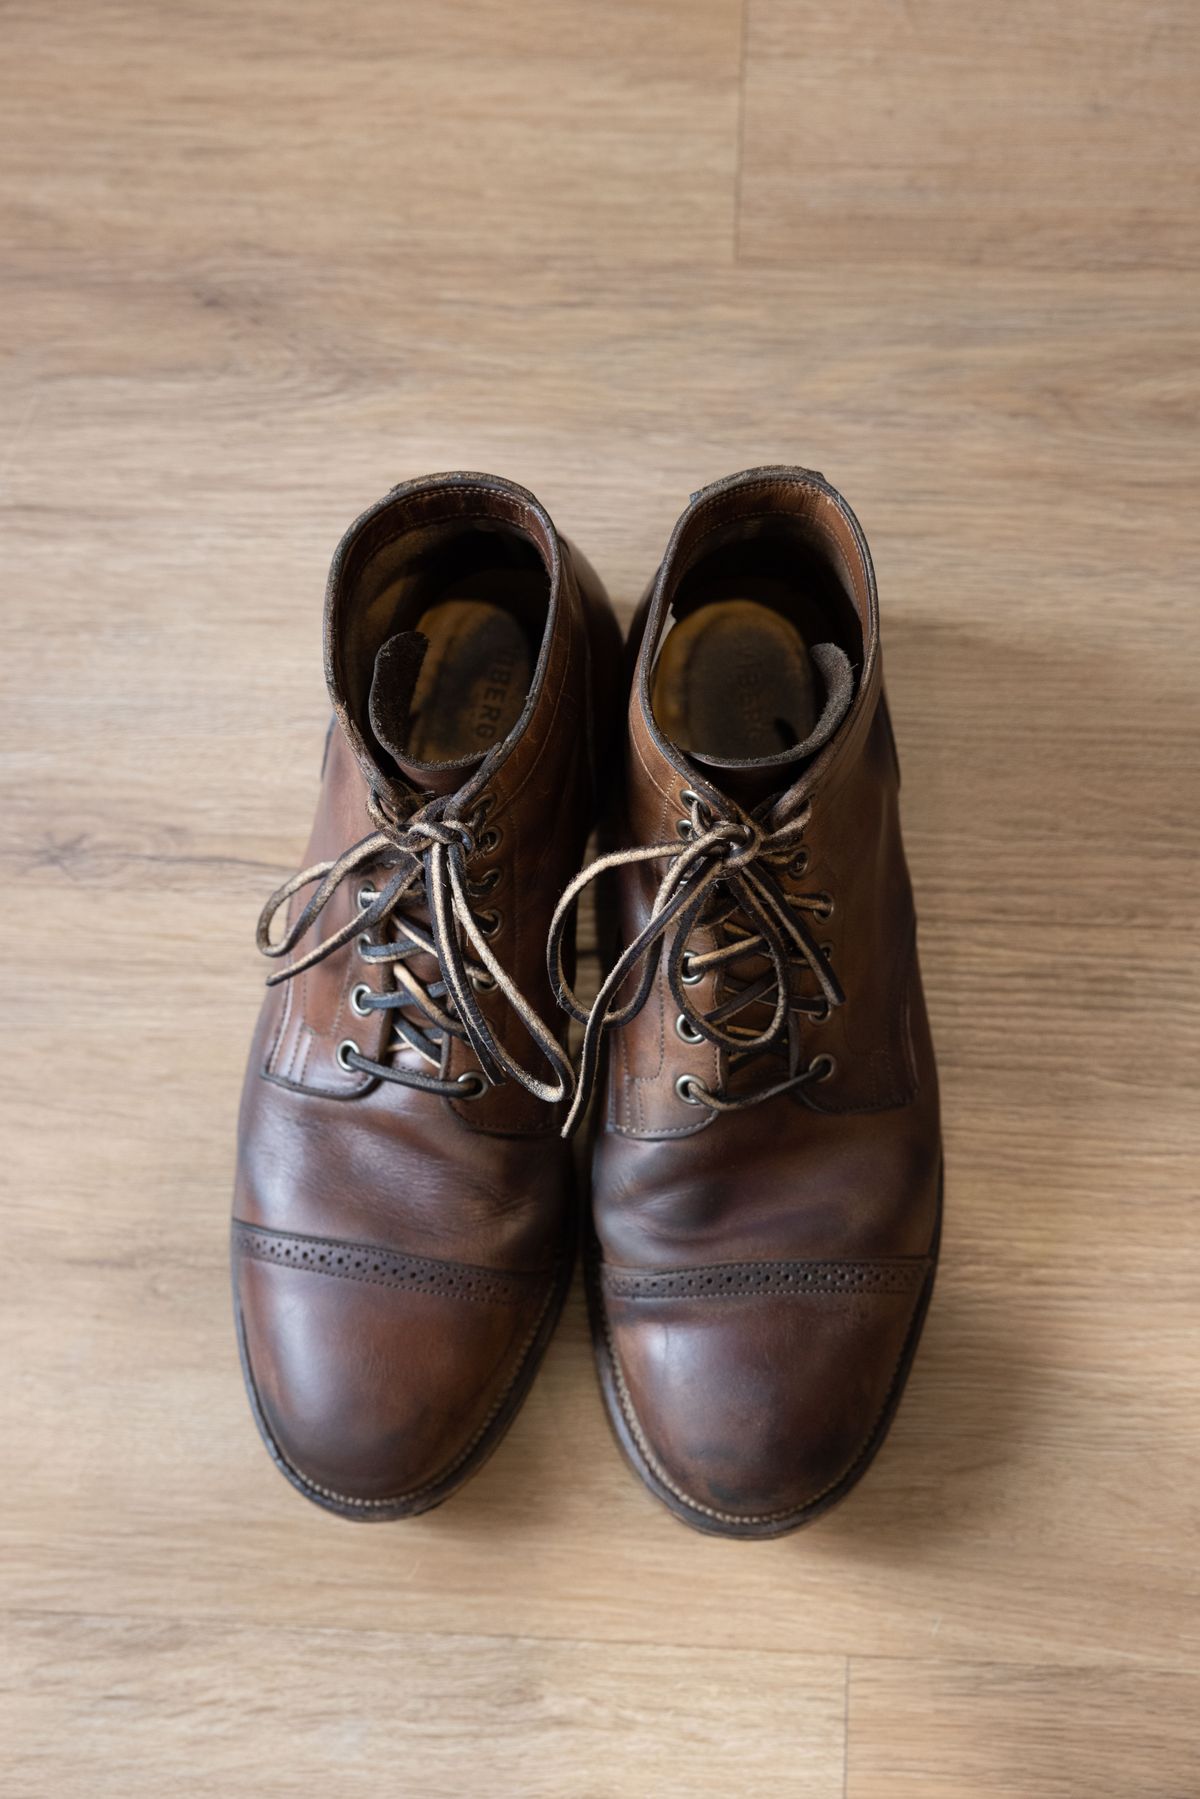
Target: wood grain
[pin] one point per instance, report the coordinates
(237, 303)
(951, 1730)
(439, 1715)
(933, 132)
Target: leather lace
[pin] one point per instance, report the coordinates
(723, 878)
(423, 859)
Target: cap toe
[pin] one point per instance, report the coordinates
(753, 1393)
(379, 1379)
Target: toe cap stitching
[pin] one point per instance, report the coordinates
(366, 1505)
(740, 1280)
(777, 1517)
(380, 1267)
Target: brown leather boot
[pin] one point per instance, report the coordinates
(766, 1182)
(402, 1235)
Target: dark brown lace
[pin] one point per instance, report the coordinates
(722, 878)
(424, 859)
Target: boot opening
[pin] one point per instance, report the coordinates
(736, 678)
(445, 640)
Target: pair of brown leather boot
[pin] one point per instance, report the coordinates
(765, 1179)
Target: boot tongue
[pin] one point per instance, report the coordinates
(749, 783)
(393, 684)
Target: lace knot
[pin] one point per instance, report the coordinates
(759, 919)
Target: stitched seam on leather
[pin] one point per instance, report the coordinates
(463, 515)
(753, 518)
(508, 811)
(668, 797)
(560, 688)
(909, 1047)
(285, 1011)
(425, 1273)
(742, 1280)
(296, 1077)
(894, 1094)
(709, 1511)
(303, 1040)
(464, 1454)
(632, 1103)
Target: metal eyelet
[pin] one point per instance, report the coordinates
(689, 797)
(367, 895)
(358, 999)
(826, 950)
(824, 909)
(472, 1084)
(689, 1088)
(363, 944)
(484, 807)
(688, 973)
(686, 1031)
(488, 922)
(822, 1068)
(347, 1047)
(485, 883)
(798, 864)
(822, 1015)
(482, 979)
(490, 840)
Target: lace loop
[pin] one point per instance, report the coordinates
(738, 855)
(424, 857)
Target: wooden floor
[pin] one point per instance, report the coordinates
(260, 261)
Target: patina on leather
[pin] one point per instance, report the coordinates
(766, 1171)
(403, 1209)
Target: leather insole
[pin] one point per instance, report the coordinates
(473, 680)
(734, 681)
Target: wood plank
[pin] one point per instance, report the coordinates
(258, 267)
(282, 126)
(96, 1706)
(1018, 1468)
(936, 134)
(170, 513)
(946, 1730)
